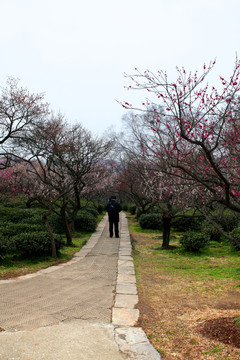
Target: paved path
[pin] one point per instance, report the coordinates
(82, 310)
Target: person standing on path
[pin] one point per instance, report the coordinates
(113, 209)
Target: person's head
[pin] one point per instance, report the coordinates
(113, 198)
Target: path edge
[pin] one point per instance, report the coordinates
(131, 340)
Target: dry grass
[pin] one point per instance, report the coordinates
(174, 306)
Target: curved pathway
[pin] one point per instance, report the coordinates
(84, 309)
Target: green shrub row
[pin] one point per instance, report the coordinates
(85, 221)
(150, 221)
(30, 244)
(192, 240)
(23, 231)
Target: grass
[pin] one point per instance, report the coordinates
(179, 290)
(217, 261)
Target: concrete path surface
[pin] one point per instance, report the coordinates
(84, 309)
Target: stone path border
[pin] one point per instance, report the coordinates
(132, 340)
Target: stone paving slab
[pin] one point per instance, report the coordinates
(126, 301)
(126, 278)
(124, 316)
(133, 342)
(126, 288)
(76, 340)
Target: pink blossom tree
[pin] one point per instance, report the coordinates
(197, 128)
(147, 176)
(8, 187)
(64, 159)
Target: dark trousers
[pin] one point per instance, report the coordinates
(115, 225)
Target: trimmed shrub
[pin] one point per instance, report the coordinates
(124, 206)
(93, 211)
(100, 208)
(56, 223)
(132, 209)
(16, 215)
(36, 243)
(85, 221)
(150, 221)
(11, 229)
(236, 235)
(14, 204)
(192, 241)
(7, 246)
(183, 224)
(36, 219)
(210, 231)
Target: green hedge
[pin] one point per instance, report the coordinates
(188, 223)
(100, 208)
(85, 221)
(132, 209)
(93, 211)
(11, 229)
(16, 214)
(150, 221)
(6, 246)
(210, 231)
(192, 241)
(36, 243)
(236, 234)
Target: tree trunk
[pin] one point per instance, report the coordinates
(53, 244)
(166, 231)
(66, 227)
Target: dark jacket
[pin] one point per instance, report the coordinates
(113, 209)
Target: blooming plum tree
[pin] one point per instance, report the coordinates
(63, 158)
(197, 129)
(147, 177)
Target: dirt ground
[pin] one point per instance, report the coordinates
(182, 321)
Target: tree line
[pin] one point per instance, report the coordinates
(48, 160)
(178, 151)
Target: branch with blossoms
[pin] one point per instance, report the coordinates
(197, 128)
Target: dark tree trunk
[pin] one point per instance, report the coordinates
(53, 244)
(66, 227)
(166, 231)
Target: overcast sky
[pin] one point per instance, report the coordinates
(76, 51)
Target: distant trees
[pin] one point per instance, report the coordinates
(48, 160)
(62, 161)
(19, 110)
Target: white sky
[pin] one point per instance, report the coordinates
(76, 51)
